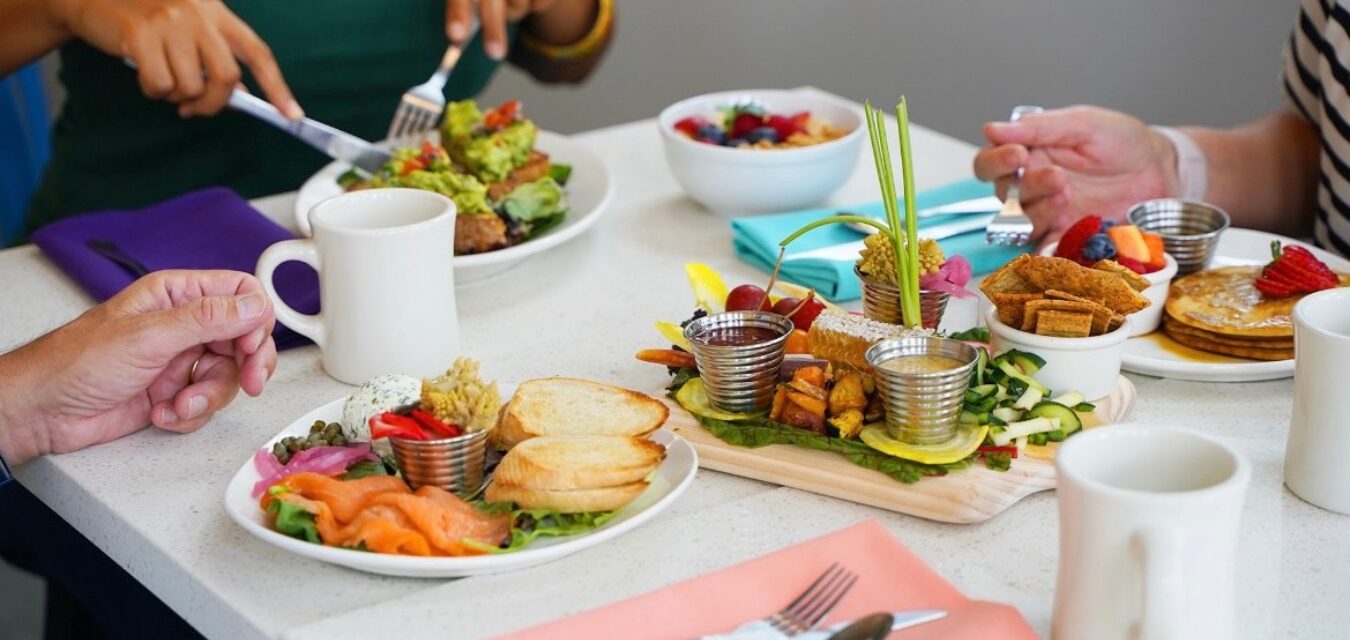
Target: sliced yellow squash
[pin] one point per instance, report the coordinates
(672, 333)
(967, 440)
(710, 292)
(694, 398)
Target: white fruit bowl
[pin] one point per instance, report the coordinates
(735, 182)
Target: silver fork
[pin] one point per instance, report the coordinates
(819, 599)
(421, 106)
(1011, 227)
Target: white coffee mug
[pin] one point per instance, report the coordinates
(1314, 458)
(386, 283)
(1148, 529)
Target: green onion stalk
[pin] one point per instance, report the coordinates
(907, 252)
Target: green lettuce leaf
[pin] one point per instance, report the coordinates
(294, 521)
(534, 201)
(977, 334)
(560, 172)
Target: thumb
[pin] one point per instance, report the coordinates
(1059, 128)
(208, 319)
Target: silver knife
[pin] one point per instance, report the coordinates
(990, 204)
(337, 144)
(763, 631)
(849, 250)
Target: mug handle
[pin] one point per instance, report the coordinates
(1163, 583)
(310, 326)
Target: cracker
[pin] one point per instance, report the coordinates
(1135, 280)
(1008, 279)
(1115, 322)
(1099, 315)
(1010, 306)
(1063, 324)
(1047, 272)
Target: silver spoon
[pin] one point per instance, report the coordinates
(872, 627)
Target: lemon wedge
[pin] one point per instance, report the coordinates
(967, 440)
(710, 291)
(672, 333)
(694, 398)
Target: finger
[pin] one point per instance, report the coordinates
(492, 14)
(458, 17)
(147, 51)
(181, 49)
(222, 74)
(257, 368)
(176, 375)
(1001, 161)
(1039, 184)
(200, 322)
(247, 46)
(517, 9)
(1059, 127)
(216, 385)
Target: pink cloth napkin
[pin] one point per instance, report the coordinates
(890, 578)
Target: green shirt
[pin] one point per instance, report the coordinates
(347, 61)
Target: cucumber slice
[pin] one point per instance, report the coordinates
(1025, 428)
(981, 363)
(1030, 363)
(1085, 407)
(1029, 399)
(1015, 374)
(1007, 414)
(985, 390)
(1069, 421)
(1069, 399)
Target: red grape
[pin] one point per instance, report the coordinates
(747, 297)
(804, 316)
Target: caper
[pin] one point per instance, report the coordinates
(317, 426)
(339, 440)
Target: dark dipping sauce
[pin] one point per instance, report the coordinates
(737, 336)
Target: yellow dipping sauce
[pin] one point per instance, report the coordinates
(923, 363)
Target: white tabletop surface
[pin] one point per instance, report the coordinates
(153, 501)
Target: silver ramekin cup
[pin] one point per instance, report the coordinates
(1190, 229)
(881, 302)
(453, 464)
(922, 408)
(739, 378)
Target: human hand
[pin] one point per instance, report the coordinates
(569, 19)
(185, 51)
(1079, 161)
(170, 350)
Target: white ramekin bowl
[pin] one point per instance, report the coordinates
(1089, 366)
(1160, 282)
(735, 182)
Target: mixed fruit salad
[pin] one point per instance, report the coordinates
(1092, 239)
(750, 126)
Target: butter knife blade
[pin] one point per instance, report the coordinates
(901, 620)
(849, 250)
(337, 144)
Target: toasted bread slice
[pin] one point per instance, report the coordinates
(567, 406)
(579, 462)
(576, 501)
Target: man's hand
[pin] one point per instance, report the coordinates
(1079, 161)
(170, 350)
(186, 51)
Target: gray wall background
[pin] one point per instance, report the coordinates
(960, 62)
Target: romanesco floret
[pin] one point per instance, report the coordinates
(461, 398)
(878, 258)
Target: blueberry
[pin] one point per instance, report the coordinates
(710, 133)
(1107, 224)
(1099, 247)
(762, 133)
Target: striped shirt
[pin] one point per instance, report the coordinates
(1316, 81)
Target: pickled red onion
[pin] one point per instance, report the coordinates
(326, 460)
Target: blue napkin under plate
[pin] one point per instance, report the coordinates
(755, 240)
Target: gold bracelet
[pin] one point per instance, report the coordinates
(604, 19)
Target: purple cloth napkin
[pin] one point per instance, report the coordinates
(209, 229)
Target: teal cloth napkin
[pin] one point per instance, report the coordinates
(756, 240)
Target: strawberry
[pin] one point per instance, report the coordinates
(1071, 244)
(784, 126)
(1132, 264)
(744, 123)
(1294, 270)
(689, 126)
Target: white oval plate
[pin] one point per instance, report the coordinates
(588, 194)
(668, 482)
(1236, 247)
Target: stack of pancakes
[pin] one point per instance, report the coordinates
(1220, 311)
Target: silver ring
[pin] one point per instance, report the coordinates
(192, 373)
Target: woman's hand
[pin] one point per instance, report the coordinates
(1079, 161)
(185, 51)
(170, 350)
(553, 21)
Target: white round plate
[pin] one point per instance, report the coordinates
(588, 193)
(668, 482)
(1236, 247)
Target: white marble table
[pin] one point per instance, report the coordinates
(583, 309)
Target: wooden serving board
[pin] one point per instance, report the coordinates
(963, 497)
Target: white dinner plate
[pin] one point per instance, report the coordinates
(1146, 355)
(667, 483)
(589, 190)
